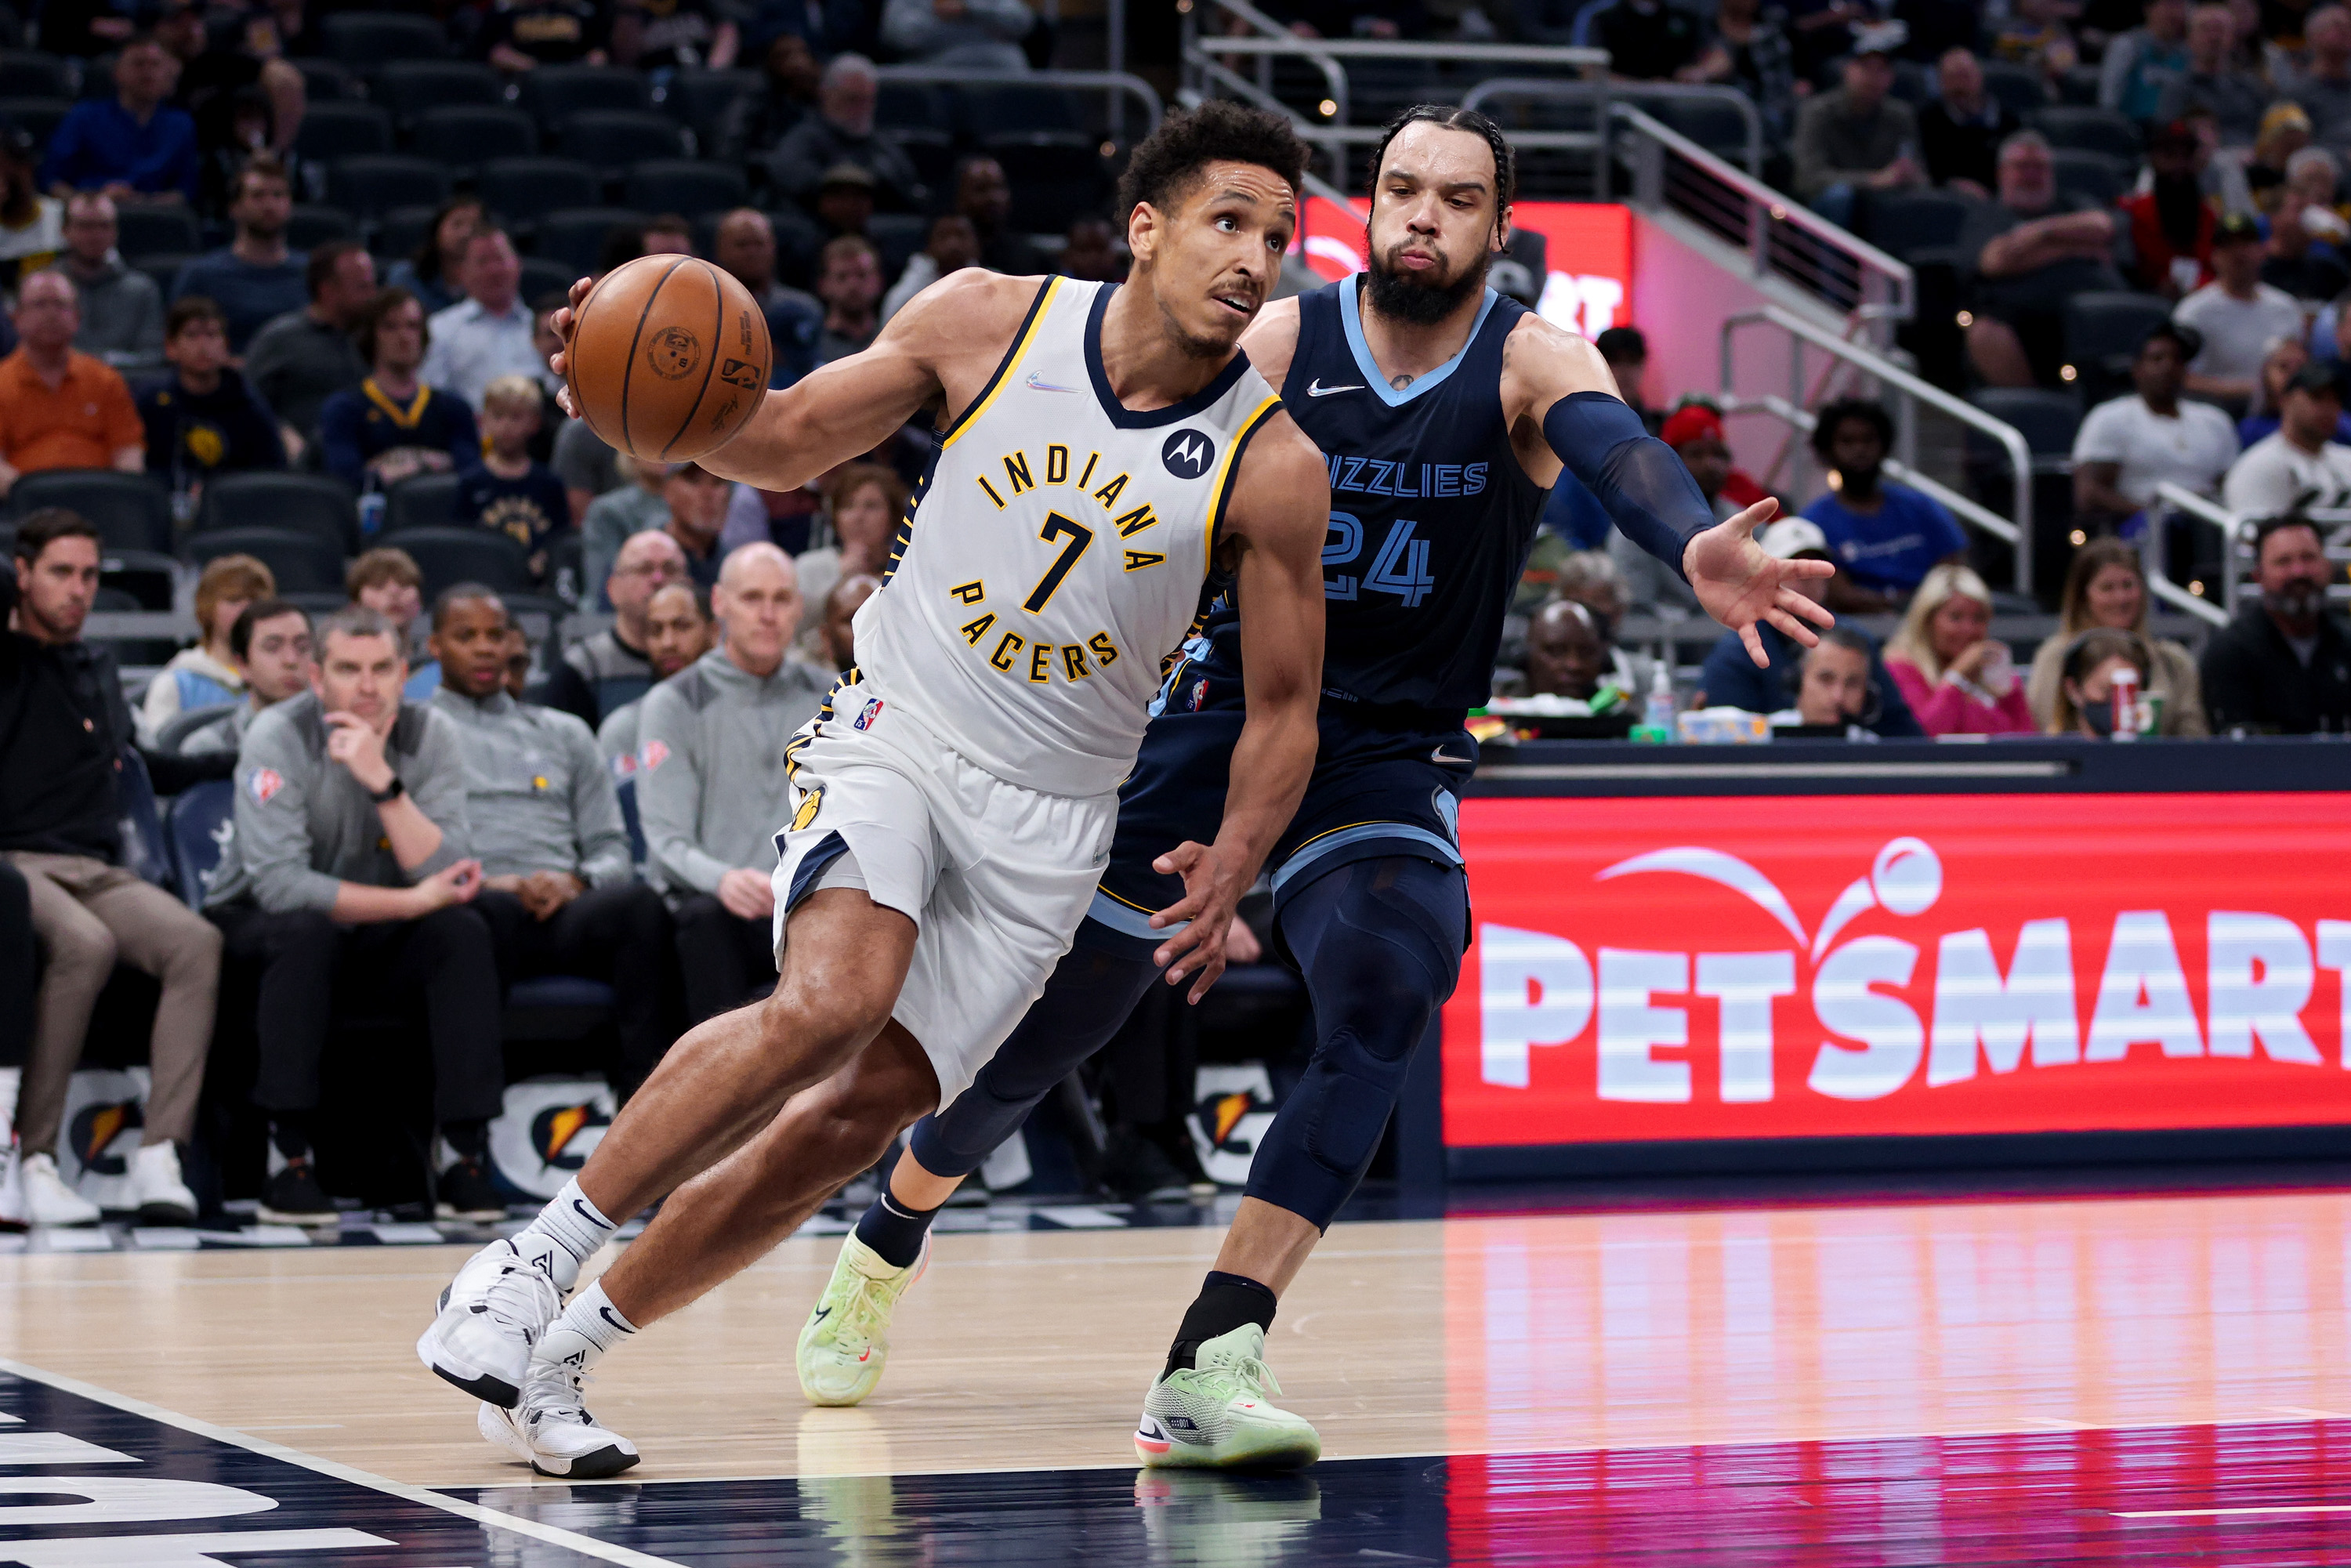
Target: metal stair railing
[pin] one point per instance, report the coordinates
(1118, 86)
(1607, 97)
(1908, 392)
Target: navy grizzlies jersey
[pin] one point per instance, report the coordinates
(1431, 516)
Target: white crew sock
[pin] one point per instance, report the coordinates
(565, 1234)
(588, 1327)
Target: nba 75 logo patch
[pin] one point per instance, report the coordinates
(264, 782)
(867, 715)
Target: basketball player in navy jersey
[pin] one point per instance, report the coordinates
(1445, 413)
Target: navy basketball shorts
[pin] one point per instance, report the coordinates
(1378, 789)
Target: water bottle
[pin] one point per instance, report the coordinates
(370, 509)
(1658, 712)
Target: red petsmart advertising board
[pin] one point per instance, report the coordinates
(1588, 248)
(1874, 966)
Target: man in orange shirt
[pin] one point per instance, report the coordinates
(59, 409)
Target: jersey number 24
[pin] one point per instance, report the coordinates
(1400, 567)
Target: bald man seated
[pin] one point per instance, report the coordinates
(711, 790)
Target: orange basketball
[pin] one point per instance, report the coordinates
(669, 355)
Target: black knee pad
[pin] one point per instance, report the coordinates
(1379, 943)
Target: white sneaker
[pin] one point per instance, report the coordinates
(552, 1429)
(162, 1197)
(48, 1200)
(491, 1317)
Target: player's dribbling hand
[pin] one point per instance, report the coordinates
(1740, 585)
(1208, 902)
(560, 360)
(451, 885)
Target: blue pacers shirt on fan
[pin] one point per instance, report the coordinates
(1892, 549)
(527, 509)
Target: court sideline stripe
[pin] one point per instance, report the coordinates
(586, 1546)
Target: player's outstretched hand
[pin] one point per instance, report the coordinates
(560, 359)
(1741, 586)
(1208, 902)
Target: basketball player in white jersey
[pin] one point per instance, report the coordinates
(1103, 449)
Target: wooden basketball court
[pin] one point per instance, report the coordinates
(2057, 1380)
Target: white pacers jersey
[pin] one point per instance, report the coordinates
(1055, 553)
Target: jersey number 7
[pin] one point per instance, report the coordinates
(1080, 537)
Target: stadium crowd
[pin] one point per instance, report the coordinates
(393, 783)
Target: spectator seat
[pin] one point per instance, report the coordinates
(164, 267)
(302, 563)
(2099, 176)
(186, 722)
(993, 109)
(367, 41)
(704, 100)
(2090, 131)
(932, 153)
(201, 820)
(2047, 420)
(575, 236)
(336, 130)
(409, 87)
(400, 231)
(2018, 87)
(1903, 222)
(132, 511)
(39, 117)
(424, 501)
(910, 106)
(311, 504)
(542, 277)
(689, 187)
(143, 229)
(1714, 125)
(897, 235)
(29, 73)
(373, 185)
(450, 556)
(525, 190)
(150, 580)
(554, 93)
(463, 136)
(2102, 329)
(144, 848)
(308, 227)
(612, 138)
(325, 81)
(627, 790)
(1056, 177)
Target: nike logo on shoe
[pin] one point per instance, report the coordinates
(1316, 388)
(822, 1313)
(1439, 755)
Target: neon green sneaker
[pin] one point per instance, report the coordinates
(846, 1341)
(1216, 1416)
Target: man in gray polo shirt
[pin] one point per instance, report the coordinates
(349, 861)
(560, 895)
(711, 788)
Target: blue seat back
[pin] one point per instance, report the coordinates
(144, 849)
(627, 789)
(203, 819)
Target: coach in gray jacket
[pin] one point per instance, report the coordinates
(350, 859)
(560, 895)
(711, 788)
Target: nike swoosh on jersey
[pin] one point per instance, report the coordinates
(1439, 755)
(1316, 389)
(1038, 384)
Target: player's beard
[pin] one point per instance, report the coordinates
(1403, 297)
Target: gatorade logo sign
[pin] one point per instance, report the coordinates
(1900, 964)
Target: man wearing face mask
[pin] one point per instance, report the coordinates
(2284, 664)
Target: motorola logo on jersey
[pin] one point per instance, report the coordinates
(1188, 454)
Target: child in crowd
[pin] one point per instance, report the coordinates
(510, 491)
(209, 673)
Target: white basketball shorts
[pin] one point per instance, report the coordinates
(995, 876)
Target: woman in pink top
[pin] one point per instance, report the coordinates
(1955, 678)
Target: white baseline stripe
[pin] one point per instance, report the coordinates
(2232, 1512)
(585, 1545)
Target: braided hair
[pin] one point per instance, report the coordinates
(1451, 118)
